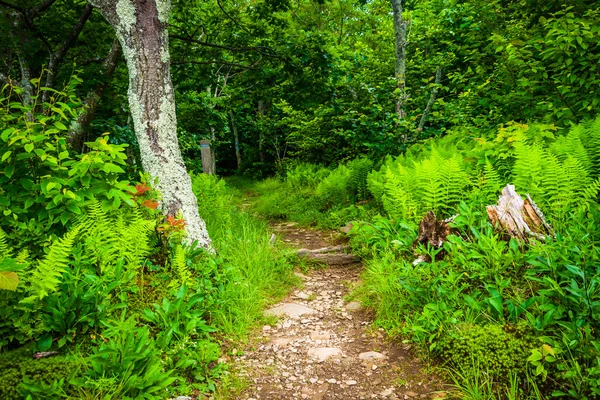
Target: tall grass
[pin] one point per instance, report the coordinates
(261, 271)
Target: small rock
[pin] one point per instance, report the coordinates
(387, 392)
(332, 381)
(371, 355)
(302, 295)
(266, 328)
(291, 310)
(411, 394)
(323, 353)
(183, 398)
(313, 380)
(350, 382)
(320, 336)
(354, 306)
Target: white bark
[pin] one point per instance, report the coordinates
(400, 26)
(141, 27)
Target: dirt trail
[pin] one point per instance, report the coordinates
(324, 347)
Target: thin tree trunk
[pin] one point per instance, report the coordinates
(58, 56)
(400, 26)
(141, 27)
(213, 152)
(261, 136)
(432, 97)
(92, 100)
(236, 138)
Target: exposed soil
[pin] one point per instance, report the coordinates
(324, 347)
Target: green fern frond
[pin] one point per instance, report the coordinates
(5, 250)
(180, 264)
(590, 193)
(572, 145)
(492, 182)
(23, 256)
(357, 182)
(590, 137)
(45, 278)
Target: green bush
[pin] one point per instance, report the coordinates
(44, 184)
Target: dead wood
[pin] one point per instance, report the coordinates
(333, 255)
(520, 219)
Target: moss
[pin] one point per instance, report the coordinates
(498, 350)
(17, 364)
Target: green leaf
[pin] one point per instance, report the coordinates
(29, 147)
(9, 170)
(60, 126)
(45, 342)
(6, 133)
(9, 280)
(6, 155)
(112, 168)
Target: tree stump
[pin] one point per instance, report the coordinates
(521, 219)
(433, 232)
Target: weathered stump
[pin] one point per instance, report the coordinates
(520, 219)
(433, 232)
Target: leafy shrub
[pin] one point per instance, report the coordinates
(43, 183)
(127, 365)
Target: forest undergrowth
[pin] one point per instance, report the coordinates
(504, 319)
(95, 282)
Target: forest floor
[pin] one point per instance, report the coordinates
(324, 347)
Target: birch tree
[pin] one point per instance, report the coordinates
(141, 28)
(400, 27)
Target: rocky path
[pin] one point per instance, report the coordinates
(323, 347)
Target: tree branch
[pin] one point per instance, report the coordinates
(12, 6)
(57, 57)
(92, 100)
(259, 49)
(43, 6)
(222, 62)
(427, 111)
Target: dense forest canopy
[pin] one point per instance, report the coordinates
(315, 80)
(129, 273)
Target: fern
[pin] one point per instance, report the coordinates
(590, 137)
(45, 278)
(359, 170)
(590, 193)
(492, 183)
(180, 264)
(5, 250)
(572, 145)
(124, 237)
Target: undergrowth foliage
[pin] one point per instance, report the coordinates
(133, 311)
(502, 316)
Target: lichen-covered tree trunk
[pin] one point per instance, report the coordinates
(141, 27)
(400, 26)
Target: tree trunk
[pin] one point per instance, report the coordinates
(92, 100)
(141, 27)
(213, 152)
(400, 26)
(427, 111)
(236, 138)
(261, 138)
